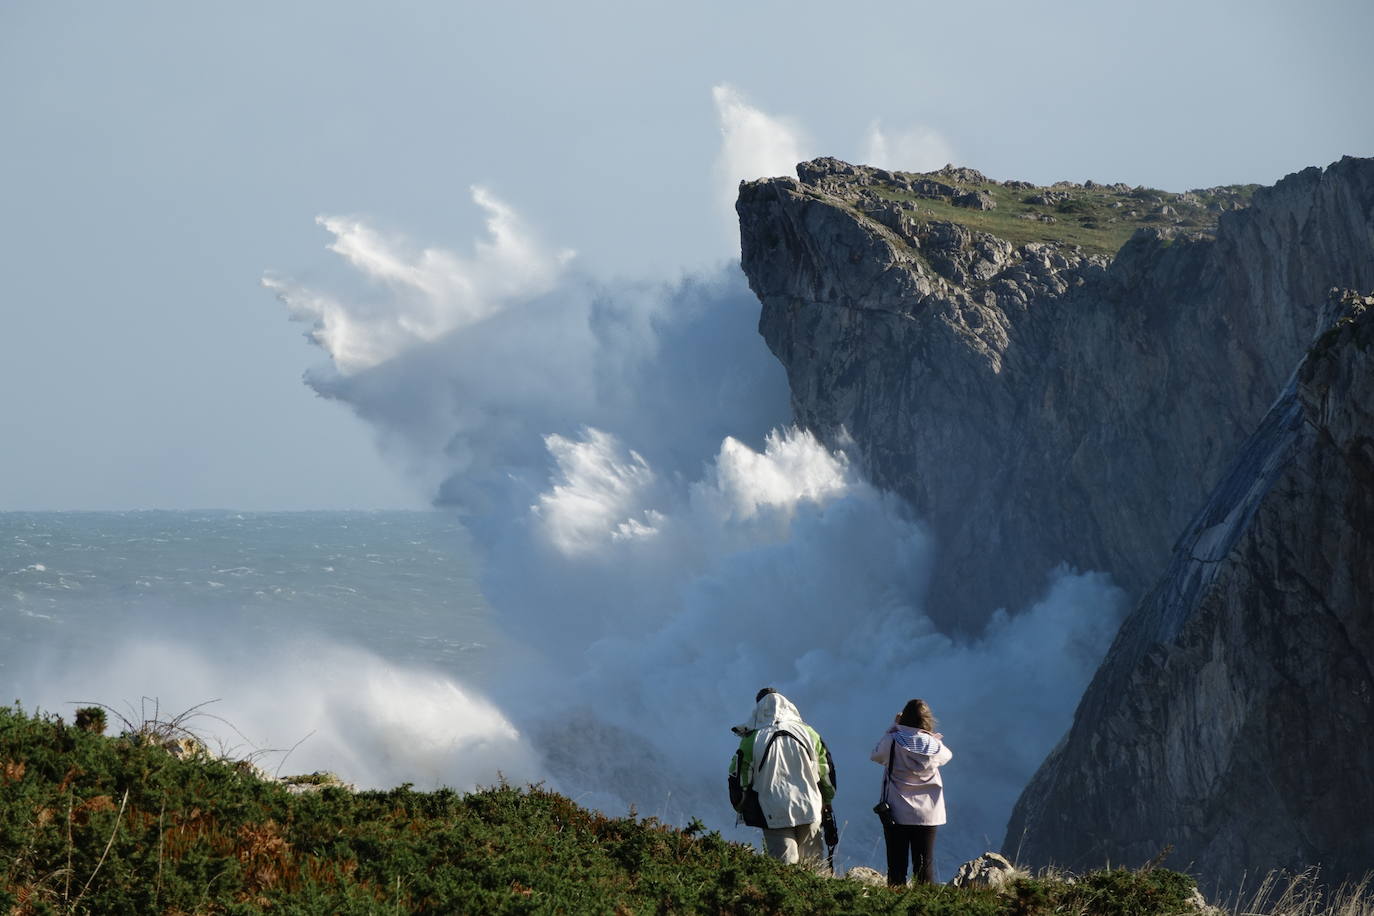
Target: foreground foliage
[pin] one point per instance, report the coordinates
(119, 825)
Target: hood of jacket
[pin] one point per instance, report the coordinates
(785, 769)
(917, 741)
(774, 708)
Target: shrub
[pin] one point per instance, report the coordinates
(91, 719)
(121, 825)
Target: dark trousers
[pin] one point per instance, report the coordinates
(914, 842)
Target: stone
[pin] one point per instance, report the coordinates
(315, 782)
(818, 170)
(983, 270)
(946, 236)
(185, 747)
(975, 200)
(1198, 904)
(932, 190)
(991, 869)
(865, 875)
(963, 175)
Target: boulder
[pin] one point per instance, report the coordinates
(975, 200)
(817, 170)
(931, 189)
(185, 747)
(963, 174)
(315, 782)
(865, 875)
(991, 869)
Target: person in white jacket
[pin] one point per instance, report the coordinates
(782, 779)
(913, 791)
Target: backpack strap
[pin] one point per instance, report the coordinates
(778, 733)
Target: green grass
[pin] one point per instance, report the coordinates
(105, 825)
(1087, 219)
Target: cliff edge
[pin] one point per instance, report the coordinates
(1046, 374)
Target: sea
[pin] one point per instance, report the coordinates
(156, 610)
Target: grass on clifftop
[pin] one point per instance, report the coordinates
(92, 824)
(1098, 219)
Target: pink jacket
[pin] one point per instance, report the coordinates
(916, 792)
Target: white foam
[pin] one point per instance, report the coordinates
(665, 559)
(343, 709)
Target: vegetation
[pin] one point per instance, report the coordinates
(1099, 219)
(93, 824)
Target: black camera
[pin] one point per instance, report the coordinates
(884, 812)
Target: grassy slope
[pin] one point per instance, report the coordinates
(1087, 219)
(208, 836)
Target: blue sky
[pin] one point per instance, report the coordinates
(160, 158)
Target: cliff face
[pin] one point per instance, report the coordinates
(1042, 395)
(1038, 396)
(1233, 717)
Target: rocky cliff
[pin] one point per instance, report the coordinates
(1048, 375)
(1233, 717)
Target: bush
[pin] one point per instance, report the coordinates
(120, 825)
(91, 719)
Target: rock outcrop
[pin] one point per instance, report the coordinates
(1044, 387)
(1233, 717)
(988, 870)
(1038, 391)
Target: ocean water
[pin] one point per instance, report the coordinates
(400, 583)
(289, 623)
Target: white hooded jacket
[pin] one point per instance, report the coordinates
(785, 763)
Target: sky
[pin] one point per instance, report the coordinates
(158, 160)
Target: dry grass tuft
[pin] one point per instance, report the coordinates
(1284, 894)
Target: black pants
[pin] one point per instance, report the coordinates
(915, 842)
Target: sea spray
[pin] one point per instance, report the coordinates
(663, 572)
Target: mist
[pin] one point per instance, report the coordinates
(655, 542)
(662, 543)
(301, 704)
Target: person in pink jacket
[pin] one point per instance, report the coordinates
(913, 791)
